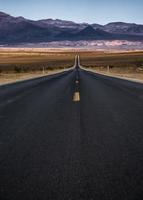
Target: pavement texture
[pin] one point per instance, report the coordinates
(53, 147)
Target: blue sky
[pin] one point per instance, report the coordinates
(92, 11)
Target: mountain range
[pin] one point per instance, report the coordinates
(15, 30)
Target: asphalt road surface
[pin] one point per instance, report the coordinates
(75, 135)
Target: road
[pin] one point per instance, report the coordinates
(76, 135)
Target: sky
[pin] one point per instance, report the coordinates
(91, 11)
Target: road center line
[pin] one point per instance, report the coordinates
(76, 97)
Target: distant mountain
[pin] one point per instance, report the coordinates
(90, 32)
(97, 26)
(21, 30)
(62, 24)
(6, 21)
(123, 28)
(24, 32)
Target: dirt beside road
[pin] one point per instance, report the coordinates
(6, 78)
(137, 77)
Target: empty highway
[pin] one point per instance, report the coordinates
(76, 135)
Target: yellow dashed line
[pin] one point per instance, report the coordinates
(76, 97)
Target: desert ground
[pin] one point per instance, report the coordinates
(120, 64)
(25, 63)
(20, 64)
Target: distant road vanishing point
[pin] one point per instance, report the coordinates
(75, 135)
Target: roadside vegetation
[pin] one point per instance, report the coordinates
(104, 61)
(19, 64)
(24, 64)
(125, 65)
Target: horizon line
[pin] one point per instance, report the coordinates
(70, 20)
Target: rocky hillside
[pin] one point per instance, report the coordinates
(21, 30)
